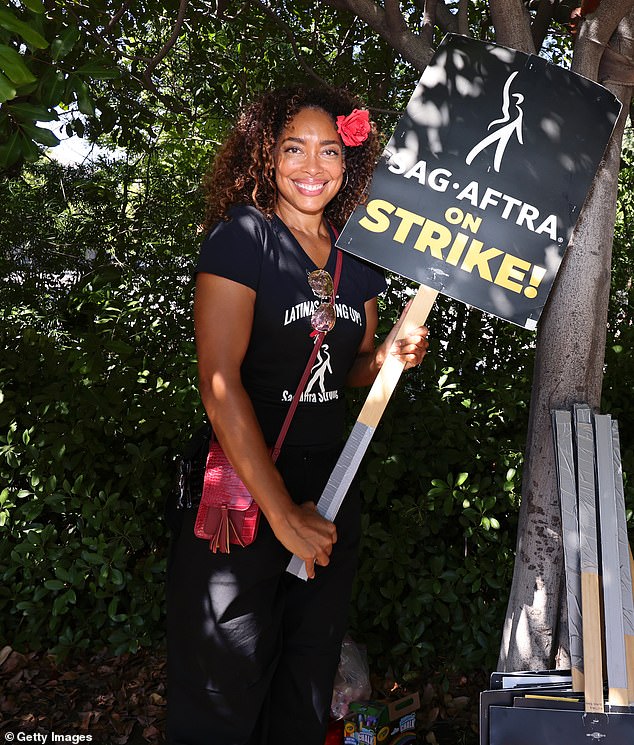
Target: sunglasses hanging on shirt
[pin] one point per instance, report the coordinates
(324, 317)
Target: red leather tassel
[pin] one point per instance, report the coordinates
(220, 539)
(235, 535)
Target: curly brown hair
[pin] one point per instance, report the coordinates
(243, 171)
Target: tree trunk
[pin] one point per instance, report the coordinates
(512, 25)
(568, 369)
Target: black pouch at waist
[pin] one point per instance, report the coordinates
(190, 469)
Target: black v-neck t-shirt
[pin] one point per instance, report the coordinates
(264, 255)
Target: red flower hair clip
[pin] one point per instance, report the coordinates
(354, 128)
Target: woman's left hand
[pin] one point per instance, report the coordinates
(412, 348)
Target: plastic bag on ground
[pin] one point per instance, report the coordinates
(352, 681)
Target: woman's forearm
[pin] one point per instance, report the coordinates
(365, 368)
(233, 419)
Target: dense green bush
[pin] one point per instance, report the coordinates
(97, 381)
(86, 435)
(79, 555)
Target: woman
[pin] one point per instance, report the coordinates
(252, 650)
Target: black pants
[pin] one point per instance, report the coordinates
(252, 650)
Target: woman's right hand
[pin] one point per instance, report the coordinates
(308, 535)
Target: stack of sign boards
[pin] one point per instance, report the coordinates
(594, 700)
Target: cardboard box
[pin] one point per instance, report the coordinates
(382, 722)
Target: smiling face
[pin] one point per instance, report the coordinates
(308, 163)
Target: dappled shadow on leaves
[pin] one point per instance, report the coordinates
(117, 700)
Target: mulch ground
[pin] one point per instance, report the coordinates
(122, 701)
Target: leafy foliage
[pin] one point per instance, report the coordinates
(138, 75)
(97, 380)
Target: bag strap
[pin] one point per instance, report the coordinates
(309, 365)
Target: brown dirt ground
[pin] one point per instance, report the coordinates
(122, 700)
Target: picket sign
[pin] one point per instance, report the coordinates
(470, 198)
(624, 562)
(567, 481)
(591, 490)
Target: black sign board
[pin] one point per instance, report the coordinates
(482, 182)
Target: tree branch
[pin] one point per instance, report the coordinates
(290, 35)
(163, 51)
(152, 62)
(415, 49)
(116, 17)
(446, 20)
(394, 17)
(169, 101)
(463, 17)
(511, 21)
(541, 22)
(429, 19)
(595, 33)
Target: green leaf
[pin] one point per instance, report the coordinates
(84, 102)
(79, 127)
(80, 90)
(64, 43)
(13, 66)
(43, 136)
(10, 151)
(63, 574)
(35, 6)
(54, 584)
(7, 90)
(99, 70)
(29, 149)
(51, 88)
(61, 602)
(32, 113)
(462, 477)
(107, 119)
(117, 576)
(15, 26)
(27, 88)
